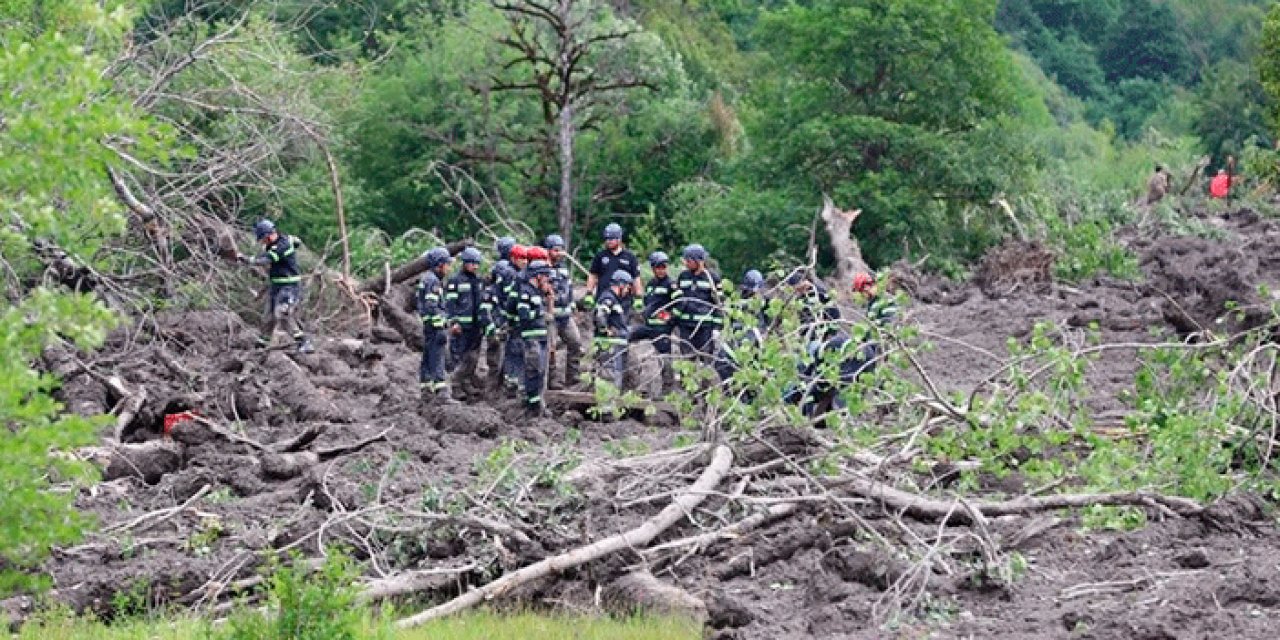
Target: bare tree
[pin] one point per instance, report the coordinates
(559, 45)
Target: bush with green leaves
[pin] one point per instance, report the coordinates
(305, 604)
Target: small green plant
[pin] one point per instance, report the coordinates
(305, 604)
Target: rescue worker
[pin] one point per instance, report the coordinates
(657, 317)
(531, 327)
(853, 359)
(612, 309)
(464, 296)
(566, 330)
(435, 339)
(818, 313)
(697, 299)
(512, 353)
(612, 257)
(492, 308)
(743, 332)
(284, 295)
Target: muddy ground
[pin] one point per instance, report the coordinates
(815, 574)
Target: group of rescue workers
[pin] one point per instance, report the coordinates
(526, 302)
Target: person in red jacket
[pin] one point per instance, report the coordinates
(1220, 185)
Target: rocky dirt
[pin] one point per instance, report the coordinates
(285, 479)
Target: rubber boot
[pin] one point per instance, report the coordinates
(572, 372)
(444, 395)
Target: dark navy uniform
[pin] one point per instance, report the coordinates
(658, 314)
(491, 307)
(285, 293)
(435, 341)
(464, 295)
(606, 262)
(530, 326)
(611, 337)
(513, 349)
(697, 311)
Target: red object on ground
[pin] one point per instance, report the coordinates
(177, 418)
(1220, 186)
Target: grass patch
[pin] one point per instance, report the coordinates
(474, 626)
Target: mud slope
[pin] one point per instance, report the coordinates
(303, 451)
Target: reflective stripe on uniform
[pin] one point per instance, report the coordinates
(611, 341)
(533, 333)
(286, 280)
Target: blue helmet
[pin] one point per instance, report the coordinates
(796, 277)
(437, 256)
(471, 255)
(613, 231)
(658, 258)
(503, 270)
(554, 241)
(263, 228)
(696, 252)
(752, 280)
(503, 246)
(538, 268)
(620, 277)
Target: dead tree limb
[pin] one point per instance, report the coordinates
(848, 253)
(926, 508)
(734, 530)
(378, 283)
(640, 536)
(414, 582)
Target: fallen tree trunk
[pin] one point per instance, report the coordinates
(283, 466)
(640, 536)
(848, 253)
(641, 591)
(378, 284)
(392, 308)
(412, 583)
(954, 513)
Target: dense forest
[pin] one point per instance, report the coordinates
(141, 140)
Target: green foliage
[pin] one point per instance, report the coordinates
(58, 112)
(305, 604)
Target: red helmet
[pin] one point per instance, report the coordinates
(863, 282)
(536, 253)
(519, 252)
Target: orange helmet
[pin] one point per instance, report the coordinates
(863, 282)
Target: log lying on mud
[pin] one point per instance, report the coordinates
(378, 284)
(721, 460)
(640, 591)
(283, 466)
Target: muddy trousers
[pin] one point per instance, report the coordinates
(513, 359)
(660, 334)
(435, 341)
(611, 360)
(534, 352)
(465, 348)
(493, 357)
(283, 301)
(566, 333)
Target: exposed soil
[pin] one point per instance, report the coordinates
(813, 574)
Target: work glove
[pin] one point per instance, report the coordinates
(588, 302)
(637, 304)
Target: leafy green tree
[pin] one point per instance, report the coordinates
(57, 111)
(1233, 107)
(1146, 41)
(907, 109)
(1268, 60)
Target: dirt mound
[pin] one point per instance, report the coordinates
(1014, 265)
